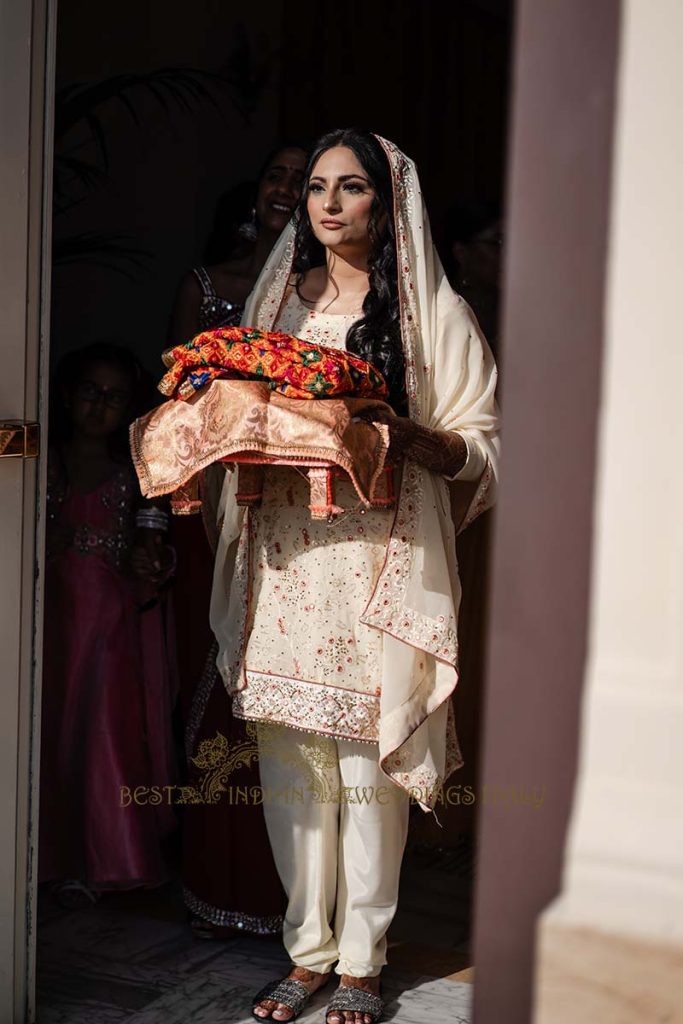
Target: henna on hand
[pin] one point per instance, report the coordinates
(441, 451)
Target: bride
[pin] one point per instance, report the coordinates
(339, 639)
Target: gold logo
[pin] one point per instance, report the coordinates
(312, 774)
(310, 763)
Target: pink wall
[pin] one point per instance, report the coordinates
(559, 194)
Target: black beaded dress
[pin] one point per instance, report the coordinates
(214, 311)
(229, 876)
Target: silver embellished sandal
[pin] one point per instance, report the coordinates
(349, 999)
(289, 991)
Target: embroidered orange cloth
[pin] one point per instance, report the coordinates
(292, 367)
(246, 420)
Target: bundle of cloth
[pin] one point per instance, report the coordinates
(243, 396)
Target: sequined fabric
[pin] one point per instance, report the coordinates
(107, 527)
(252, 924)
(213, 310)
(313, 326)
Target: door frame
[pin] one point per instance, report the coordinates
(27, 82)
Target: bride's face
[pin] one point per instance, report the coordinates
(339, 200)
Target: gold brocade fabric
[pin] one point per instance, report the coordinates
(234, 418)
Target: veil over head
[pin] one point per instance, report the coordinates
(450, 383)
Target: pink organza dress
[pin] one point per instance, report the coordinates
(107, 697)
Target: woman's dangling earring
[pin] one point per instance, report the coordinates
(249, 230)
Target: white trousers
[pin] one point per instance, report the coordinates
(338, 829)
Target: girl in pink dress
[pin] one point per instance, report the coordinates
(107, 692)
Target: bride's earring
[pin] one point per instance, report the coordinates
(249, 230)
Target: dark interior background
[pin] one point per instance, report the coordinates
(432, 76)
(140, 163)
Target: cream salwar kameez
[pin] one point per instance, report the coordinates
(398, 618)
(311, 664)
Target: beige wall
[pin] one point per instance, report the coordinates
(624, 857)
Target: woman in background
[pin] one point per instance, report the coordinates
(214, 295)
(473, 260)
(473, 248)
(229, 878)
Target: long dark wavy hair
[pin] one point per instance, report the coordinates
(377, 336)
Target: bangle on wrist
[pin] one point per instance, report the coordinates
(151, 519)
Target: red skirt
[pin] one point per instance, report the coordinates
(229, 876)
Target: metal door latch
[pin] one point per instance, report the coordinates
(19, 440)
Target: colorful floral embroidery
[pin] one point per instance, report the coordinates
(293, 367)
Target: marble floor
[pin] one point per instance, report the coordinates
(132, 957)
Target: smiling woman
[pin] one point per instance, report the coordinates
(214, 296)
(214, 865)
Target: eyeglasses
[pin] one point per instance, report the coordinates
(88, 391)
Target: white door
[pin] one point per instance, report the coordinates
(26, 86)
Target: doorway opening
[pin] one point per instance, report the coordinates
(163, 124)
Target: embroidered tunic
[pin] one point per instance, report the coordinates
(310, 663)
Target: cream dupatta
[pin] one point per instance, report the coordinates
(451, 378)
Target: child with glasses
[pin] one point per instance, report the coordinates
(107, 693)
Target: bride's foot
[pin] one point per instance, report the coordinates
(349, 1009)
(305, 983)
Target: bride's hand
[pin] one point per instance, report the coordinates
(441, 451)
(402, 430)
